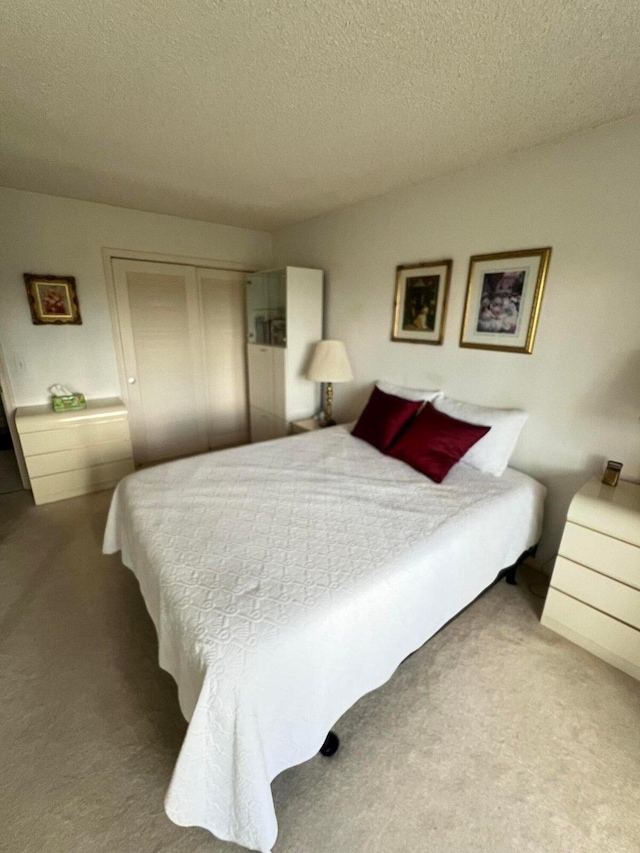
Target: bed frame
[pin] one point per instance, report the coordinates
(332, 741)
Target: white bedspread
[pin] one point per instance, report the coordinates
(288, 579)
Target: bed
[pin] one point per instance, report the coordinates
(288, 579)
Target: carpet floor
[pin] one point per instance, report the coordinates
(496, 736)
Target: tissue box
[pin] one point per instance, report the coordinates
(68, 402)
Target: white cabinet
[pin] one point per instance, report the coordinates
(75, 452)
(594, 598)
(284, 322)
(262, 368)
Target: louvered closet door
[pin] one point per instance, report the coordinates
(223, 316)
(161, 332)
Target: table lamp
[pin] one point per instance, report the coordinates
(329, 364)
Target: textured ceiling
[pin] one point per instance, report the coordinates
(262, 113)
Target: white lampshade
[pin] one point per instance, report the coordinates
(330, 363)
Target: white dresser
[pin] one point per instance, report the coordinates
(594, 598)
(72, 453)
(284, 322)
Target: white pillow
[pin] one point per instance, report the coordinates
(492, 453)
(415, 394)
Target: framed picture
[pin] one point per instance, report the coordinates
(53, 299)
(504, 293)
(421, 302)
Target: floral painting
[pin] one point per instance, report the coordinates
(52, 299)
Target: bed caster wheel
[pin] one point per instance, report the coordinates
(330, 745)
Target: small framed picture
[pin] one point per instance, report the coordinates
(53, 299)
(504, 294)
(421, 302)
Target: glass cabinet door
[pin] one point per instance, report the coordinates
(257, 308)
(277, 296)
(267, 308)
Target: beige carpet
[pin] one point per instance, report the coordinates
(497, 736)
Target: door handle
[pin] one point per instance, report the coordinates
(131, 380)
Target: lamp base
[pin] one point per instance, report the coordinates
(324, 421)
(328, 409)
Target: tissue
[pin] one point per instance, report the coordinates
(60, 391)
(64, 399)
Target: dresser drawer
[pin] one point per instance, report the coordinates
(79, 457)
(55, 487)
(610, 556)
(612, 510)
(74, 435)
(598, 633)
(601, 592)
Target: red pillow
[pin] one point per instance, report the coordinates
(434, 442)
(383, 418)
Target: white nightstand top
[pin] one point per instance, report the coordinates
(612, 510)
(306, 425)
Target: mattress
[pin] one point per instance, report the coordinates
(286, 580)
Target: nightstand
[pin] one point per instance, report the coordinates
(306, 425)
(594, 597)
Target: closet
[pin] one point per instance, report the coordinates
(284, 321)
(182, 337)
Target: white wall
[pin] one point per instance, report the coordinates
(57, 236)
(581, 385)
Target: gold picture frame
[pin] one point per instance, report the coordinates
(504, 296)
(53, 299)
(420, 307)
